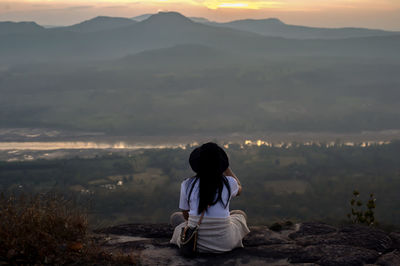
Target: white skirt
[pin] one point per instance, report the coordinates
(216, 235)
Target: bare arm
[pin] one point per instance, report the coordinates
(228, 172)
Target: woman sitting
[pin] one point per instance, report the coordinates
(209, 193)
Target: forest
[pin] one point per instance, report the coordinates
(297, 182)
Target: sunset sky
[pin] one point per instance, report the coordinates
(383, 14)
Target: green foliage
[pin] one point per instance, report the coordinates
(360, 215)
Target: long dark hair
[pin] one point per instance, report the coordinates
(211, 163)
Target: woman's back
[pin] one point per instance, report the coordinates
(218, 210)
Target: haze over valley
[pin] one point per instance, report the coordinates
(170, 75)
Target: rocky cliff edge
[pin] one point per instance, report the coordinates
(310, 243)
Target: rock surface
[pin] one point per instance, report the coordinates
(302, 244)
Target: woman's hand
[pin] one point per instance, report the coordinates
(228, 172)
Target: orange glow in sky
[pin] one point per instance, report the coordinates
(215, 4)
(325, 13)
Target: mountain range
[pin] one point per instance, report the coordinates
(276, 28)
(107, 38)
(268, 27)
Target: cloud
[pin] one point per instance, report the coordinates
(111, 7)
(79, 7)
(244, 4)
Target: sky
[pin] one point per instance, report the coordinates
(380, 14)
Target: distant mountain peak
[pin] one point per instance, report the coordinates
(200, 19)
(102, 18)
(105, 19)
(168, 17)
(21, 23)
(19, 27)
(265, 20)
(170, 14)
(274, 20)
(142, 17)
(100, 23)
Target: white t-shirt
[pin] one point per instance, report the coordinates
(217, 210)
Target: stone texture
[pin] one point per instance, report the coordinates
(262, 235)
(389, 259)
(143, 230)
(357, 236)
(304, 244)
(313, 229)
(277, 251)
(395, 236)
(328, 255)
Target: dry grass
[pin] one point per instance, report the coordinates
(48, 229)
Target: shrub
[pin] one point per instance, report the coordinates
(360, 216)
(46, 229)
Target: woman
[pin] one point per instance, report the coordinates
(210, 191)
